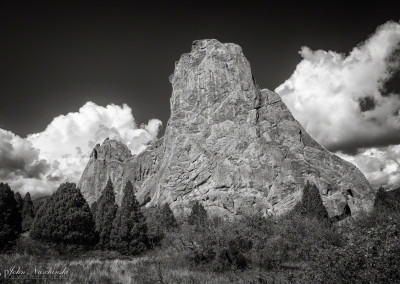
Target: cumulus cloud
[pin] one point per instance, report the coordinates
(18, 157)
(341, 101)
(381, 166)
(41, 161)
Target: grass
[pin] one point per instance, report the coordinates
(151, 268)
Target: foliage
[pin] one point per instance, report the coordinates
(106, 211)
(65, 218)
(311, 204)
(129, 229)
(387, 201)
(10, 217)
(28, 213)
(160, 221)
(198, 215)
(370, 255)
(20, 202)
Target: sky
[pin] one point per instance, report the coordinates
(73, 74)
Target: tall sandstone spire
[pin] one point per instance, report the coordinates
(234, 147)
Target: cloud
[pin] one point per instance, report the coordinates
(381, 166)
(40, 162)
(342, 102)
(340, 99)
(18, 157)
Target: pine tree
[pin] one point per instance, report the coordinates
(65, 218)
(129, 233)
(160, 220)
(311, 204)
(167, 218)
(198, 216)
(27, 213)
(106, 211)
(10, 217)
(20, 202)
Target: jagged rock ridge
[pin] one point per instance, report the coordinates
(232, 146)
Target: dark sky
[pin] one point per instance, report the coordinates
(56, 57)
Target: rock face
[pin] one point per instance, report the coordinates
(235, 148)
(106, 161)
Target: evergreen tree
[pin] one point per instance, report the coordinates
(93, 209)
(159, 221)
(10, 217)
(65, 218)
(167, 218)
(106, 211)
(28, 213)
(20, 202)
(129, 233)
(311, 204)
(198, 216)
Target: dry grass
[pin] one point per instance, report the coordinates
(146, 269)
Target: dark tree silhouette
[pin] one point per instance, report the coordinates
(10, 217)
(20, 202)
(28, 213)
(105, 215)
(311, 203)
(129, 233)
(198, 215)
(65, 218)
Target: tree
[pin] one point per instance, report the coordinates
(20, 202)
(65, 218)
(198, 215)
(311, 204)
(160, 220)
(167, 218)
(129, 232)
(106, 211)
(10, 217)
(28, 213)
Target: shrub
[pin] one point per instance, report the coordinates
(129, 229)
(217, 244)
(106, 211)
(370, 255)
(198, 215)
(65, 218)
(10, 217)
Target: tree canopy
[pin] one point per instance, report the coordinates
(129, 232)
(105, 214)
(65, 218)
(10, 217)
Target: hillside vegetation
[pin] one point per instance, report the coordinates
(151, 246)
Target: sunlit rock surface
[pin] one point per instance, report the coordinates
(232, 146)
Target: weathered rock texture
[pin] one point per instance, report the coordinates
(230, 145)
(106, 161)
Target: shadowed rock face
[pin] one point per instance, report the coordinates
(235, 148)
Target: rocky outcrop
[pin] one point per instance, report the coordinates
(106, 161)
(234, 147)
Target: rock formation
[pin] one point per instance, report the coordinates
(106, 161)
(235, 148)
